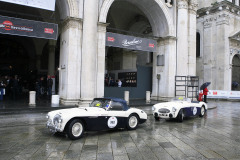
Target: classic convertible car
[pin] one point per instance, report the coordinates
(102, 114)
(178, 109)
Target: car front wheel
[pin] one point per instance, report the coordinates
(75, 129)
(180, 116)
(202, 113)
(157, 118)
(132, 122)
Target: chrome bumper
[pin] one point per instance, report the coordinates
(53, 128)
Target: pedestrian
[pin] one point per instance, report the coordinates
(49, 86)
(205, 93)
(119, 83)
(38, 88)
(2, 87)
(111, 83)
(14, 87)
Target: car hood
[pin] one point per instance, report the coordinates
(169, 104)
(79, 111)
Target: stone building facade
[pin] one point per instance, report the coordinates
(179, 27)
(218, 32)
(83, 49)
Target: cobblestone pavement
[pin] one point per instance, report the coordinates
(216, 136)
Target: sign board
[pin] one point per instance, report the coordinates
(28, 28)
(42, 4)
(223, 94)
(130, 42)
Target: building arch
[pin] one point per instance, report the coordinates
(235, 71)
(159, 17)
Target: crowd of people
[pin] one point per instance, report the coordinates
(109, 82)
(10, 86)
(14, 87)
(44, 87)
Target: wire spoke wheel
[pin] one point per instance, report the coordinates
(77, 129)
(132, 122)
(202, 111)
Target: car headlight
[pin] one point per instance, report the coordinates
(47, 116)
(57, 119)
(174, 109)
(153, 108)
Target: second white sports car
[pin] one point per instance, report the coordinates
(178, 109)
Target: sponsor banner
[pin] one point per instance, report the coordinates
(217, 94)
(42, 4)
(234, 95)
(223, 94)
(130, 42)
(28, 28)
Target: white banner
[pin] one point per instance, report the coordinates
(223, 94)
(43, 4)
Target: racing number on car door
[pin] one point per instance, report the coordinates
(116, 115)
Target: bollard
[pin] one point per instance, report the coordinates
(32, 98)
(148, 97)
(55, 100)
(126, 96)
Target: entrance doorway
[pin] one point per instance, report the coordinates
(22, 56)
(132, 66)
(236, 72)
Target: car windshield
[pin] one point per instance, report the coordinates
(180, 99)
(101, 103)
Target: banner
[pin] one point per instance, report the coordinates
(130, 42)
(28, 28)
(42, 4)
(223, 94)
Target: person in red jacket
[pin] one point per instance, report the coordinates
(205, 92)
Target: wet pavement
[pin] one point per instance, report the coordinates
(215, 136)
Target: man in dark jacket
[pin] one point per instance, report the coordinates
(2, 86)
(49, 86)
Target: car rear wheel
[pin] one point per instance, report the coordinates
(132, 122)
(202, 112)
(75, 129)
(180, 116)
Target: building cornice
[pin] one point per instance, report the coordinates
(71, 22)
(218, 7)
(193, 6)
(182, 4)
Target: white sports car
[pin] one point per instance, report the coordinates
(102, 114)
(178, 109)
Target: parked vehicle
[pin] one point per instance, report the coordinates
(179, 108)
(102, 114)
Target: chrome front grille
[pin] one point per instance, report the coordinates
(164, 110)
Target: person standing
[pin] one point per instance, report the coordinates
(205, 93)
(14, 87)
(119, 83)
(49, 86)
(2, 86)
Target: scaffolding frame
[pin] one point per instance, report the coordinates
(187, 86)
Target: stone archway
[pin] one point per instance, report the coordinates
(236, 72)
(159, 17)
(161, 21)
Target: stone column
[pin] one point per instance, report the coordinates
(51, 57)
(182, 38)
(207, 50)
(101, 58)
(89, 51)
(223, 70)
(164, 88)
(70, 61)
(192, 37)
